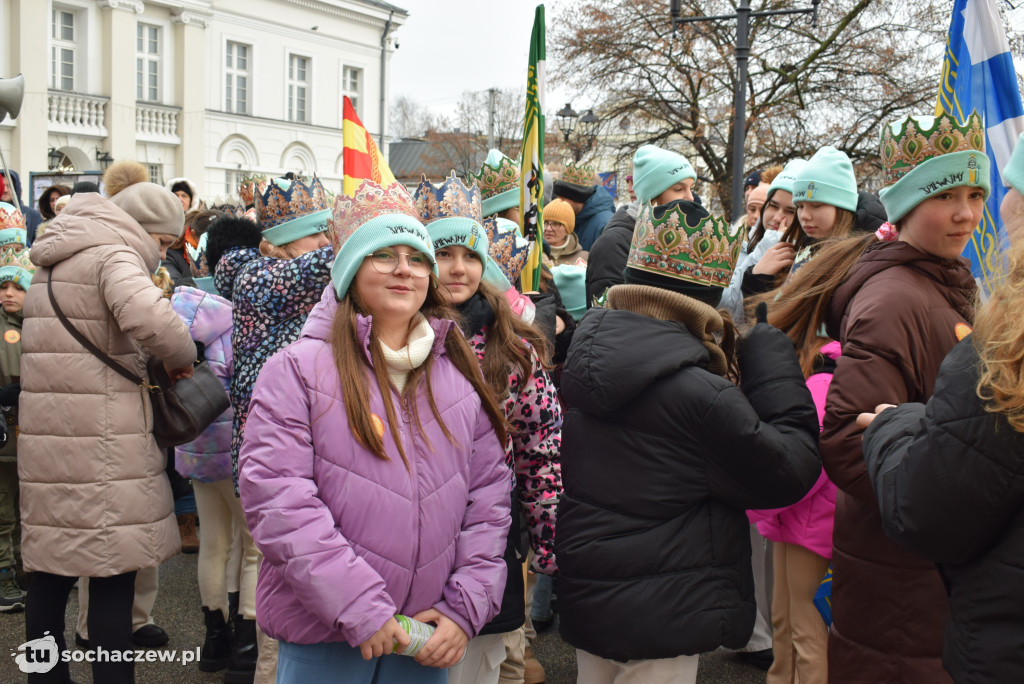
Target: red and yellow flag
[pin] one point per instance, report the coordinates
(361, 157)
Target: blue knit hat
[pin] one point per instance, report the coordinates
(656, 170)
(786, 179)
(452, 215)
(828, 178)
(1013, 172)
(373, 218)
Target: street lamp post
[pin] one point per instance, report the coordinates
(568, 119)
(739, 133)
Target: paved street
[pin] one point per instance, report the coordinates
(177, 611)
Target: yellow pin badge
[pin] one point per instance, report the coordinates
(962, 330)
(12, 337)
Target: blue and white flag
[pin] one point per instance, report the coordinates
(978, 74)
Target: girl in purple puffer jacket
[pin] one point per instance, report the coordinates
(372, 473)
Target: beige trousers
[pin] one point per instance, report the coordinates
(221, 513)
(146, 585)
(592, 669)
(801, 638)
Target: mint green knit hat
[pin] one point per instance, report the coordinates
(1013, 172)
(827, 178)
(656, 170)
(923, 156)
(373, 218)
(452, 215)
(786, 179)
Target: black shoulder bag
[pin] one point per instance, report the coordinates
(182, 410)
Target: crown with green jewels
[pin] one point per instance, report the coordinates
(918, 139)
(16, 267)
(704, 254)
(498, 174)
(578, 173)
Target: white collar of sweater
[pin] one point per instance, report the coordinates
(403, 361)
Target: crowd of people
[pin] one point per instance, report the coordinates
(791, 435)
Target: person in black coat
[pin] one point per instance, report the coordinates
(662, 453)
(949, 478)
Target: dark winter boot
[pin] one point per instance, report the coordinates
(216, 653)
(232, 605)
(243, 655)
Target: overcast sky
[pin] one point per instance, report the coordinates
(446, 48)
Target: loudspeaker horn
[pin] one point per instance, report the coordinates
(12, 92)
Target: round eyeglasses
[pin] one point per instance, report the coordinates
(386, 260)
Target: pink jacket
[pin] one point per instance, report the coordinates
(808, 522)
(348, 539)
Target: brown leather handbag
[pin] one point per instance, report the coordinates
(181, 410)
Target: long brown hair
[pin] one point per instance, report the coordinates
(354, 371)
(845, 221)
(800, 307)
(999, 338)
(505, 349)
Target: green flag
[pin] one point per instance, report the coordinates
(531, 176)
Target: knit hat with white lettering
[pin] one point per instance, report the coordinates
(373, 218)
(452, 214)
(923, 156)
(656, 170)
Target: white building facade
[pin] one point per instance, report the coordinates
(207, 89)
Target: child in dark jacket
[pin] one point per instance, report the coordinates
(651, 408)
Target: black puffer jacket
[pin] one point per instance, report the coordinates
(608, 255)
(660, 458)
(950, 484)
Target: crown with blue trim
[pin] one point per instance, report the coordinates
(16, 267)
(704, 253)
(452, 214)
(10, 217)
(451, 199)
(508, 248)
(290, 210)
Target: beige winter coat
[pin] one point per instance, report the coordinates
(95, 500)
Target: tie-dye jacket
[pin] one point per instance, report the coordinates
(535, 441)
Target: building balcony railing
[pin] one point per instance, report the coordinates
(77, 114)
(156, 123)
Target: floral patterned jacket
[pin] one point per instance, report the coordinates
(272, 299)
(535, 441)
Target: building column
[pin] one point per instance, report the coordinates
(190, 51)
(30, 22)
(119, 22)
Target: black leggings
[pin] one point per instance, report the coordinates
(110, 622)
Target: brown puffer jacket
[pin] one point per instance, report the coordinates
(95, 500)
(896, 316)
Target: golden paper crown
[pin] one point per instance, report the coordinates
(704, 253)
(282, 204)
(10, 217)
(579, 173)
(249, 187)
(369, 201)
(452, 199)
(916, 139)
(498, 174)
